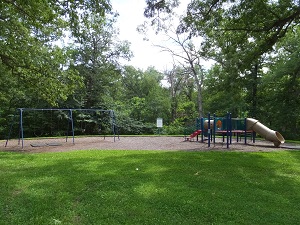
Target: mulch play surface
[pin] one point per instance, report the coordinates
(135, 143)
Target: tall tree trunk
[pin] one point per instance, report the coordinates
(254, 90)
(199, 82)
(200, 101)
(175, 83)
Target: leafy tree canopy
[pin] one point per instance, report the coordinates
(236, 31)
(28, 32)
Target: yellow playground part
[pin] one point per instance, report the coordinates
(265, 132)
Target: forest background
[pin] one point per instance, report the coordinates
(254, 45)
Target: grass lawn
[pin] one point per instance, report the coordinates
(150, 187)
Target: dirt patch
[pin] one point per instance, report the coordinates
(134, 143)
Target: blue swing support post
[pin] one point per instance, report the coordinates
(70, 121)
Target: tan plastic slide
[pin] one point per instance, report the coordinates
(265, 132)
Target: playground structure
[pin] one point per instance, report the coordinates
(228, 127)
(70, 119)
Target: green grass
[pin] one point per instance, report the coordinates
(292, 141)
(150, 187)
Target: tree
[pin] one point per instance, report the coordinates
(239, 35)
(239, 31)
(190, 59)
(159, 11)
(281, 85)
(157, 99)
(29, 30)
(175, 79)
(96, 59)
(223, 94)
(144, 89)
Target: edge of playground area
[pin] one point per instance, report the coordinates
(167, 143)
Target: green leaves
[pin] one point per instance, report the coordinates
(240, 31)
(96, 58)
(29, 53)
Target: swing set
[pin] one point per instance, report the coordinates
(70, 117)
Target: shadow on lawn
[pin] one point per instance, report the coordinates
(130, 187)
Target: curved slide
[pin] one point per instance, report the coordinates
(265, 132)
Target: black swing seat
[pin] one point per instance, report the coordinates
(38, 145)
(53, 144)
(45, 144)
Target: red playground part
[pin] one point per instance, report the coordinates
(197, 132)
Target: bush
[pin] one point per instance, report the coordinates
(131, 126)
(176, 128)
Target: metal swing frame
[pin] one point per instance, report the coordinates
(70, 121)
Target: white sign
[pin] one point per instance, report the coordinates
(159, 122)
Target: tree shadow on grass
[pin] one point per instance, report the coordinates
(150, 187)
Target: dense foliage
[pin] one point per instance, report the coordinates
(66, 54)
(254, 45)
